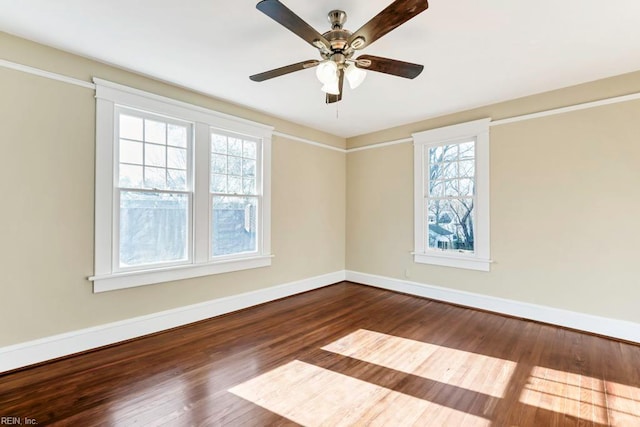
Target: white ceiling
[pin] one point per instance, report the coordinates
(475, 52)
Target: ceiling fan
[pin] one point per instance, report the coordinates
(338, 45)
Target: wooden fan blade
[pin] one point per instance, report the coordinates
(389, 66)
(285, 17)
(330, 99)
(396, 14)
(284, 70)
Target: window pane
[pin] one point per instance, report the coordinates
(435, 171)
(153, 228)
(176, 179)
(466, 187)
(435, 154)
(467, 168)
(154, 177)
(234, 185)
(450, 153)
(443, 153)
(248, 168)
(155, 155)
(130, 127)
(451, 188)
(467, 150)
(233, 225)
(448, 170)
(130, 176)
(235, 147)
(163, 167)
(235, 166)
(450, 224)
(176, 158)
(249, 186)
(219, 144)
(219, 163)
(155, 132)
(177, 135)
(130, 152)
(219, 184)
(436, 188)
(249, 149)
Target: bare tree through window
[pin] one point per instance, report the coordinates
(450, 199)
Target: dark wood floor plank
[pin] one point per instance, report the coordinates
(418, 362)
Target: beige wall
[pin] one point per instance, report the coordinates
(47, 185)
(564, 205)
(625, 84)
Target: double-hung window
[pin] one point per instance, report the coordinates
(181, 191)
(235, 178)
(451, 167)
(154, 192)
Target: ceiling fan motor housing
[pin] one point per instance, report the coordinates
(337, 36)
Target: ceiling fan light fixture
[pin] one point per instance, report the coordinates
(331, 88)
(337, 46)
(355, 76)
(327, 72)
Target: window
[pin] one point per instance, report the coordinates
(181, 191)
(234, 200)
(451, 183)
(154, 193)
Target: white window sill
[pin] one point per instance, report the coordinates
(111, 282)
(453, 260)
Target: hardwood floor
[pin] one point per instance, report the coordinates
(342, 355)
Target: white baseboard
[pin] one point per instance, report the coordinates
(615, 328)
(41, 350)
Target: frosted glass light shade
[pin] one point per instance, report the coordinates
(327, 72)
(355, 76)
(331, 88)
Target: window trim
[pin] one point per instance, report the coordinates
(477, 130)
(111, 95)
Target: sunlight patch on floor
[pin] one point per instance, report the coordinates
(581, 396)
(471, 371)
(314, 396)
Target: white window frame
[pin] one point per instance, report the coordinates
(478, 131)
(109, 97)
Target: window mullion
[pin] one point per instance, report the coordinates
(202, 201)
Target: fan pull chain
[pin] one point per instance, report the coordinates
(337, 111)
